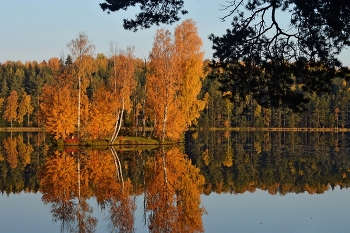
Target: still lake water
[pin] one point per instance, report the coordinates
(254, 182)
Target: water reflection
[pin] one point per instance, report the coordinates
(225, 162)
(20, 162)
(64, 185)
(172, 195)
(69, 178)
(282, 162)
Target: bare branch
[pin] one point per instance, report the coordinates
(226, 7)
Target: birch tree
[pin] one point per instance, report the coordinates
(174, 80)
(81, 49)
(163, 82)
(189, 58)
(123, 84)
(25, 108)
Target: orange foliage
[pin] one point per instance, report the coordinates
(24, 150)
(25, 108)
(59, 177)
(11, 106)
(174, 81)
(123, 81)
(190, 62)
(59, 110)
(10, 146)
(101, 116)
(54, 64)
(163, 85)
(111, 190)
(173, 193)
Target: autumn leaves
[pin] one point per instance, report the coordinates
(170, 184)
(92, 96)
(15, 109)
(174, 80)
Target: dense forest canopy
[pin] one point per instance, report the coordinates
(277, 63)
(32, 81)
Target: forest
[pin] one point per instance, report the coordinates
(88, 96)
(93, 97)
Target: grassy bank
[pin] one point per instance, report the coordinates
(22, 129)
(121, 142)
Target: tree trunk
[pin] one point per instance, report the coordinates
(118, 167)
(79, 96)
(118, 123)
(165, 116)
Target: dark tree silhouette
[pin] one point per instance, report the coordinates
(278, 63)
(152, 11)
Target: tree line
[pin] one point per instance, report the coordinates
(92, 96)
(328, 110)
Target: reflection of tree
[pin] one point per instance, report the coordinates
(275, 162)
(24, 150)
(18, 171)
(11, 171)
(57, 185)
(278, 162)
(10, 146)
(173, 187)
(64, 185)
(15, 148)
(121, 211)
(228, 161)
(111, 191)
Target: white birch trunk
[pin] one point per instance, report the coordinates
(79, 101)
(118, 167)
(118, 124)
(115, 126)
(165, 115)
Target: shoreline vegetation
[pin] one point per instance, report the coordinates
(122, 142)
(82, 98)
(43, 129)
(125, 142)
(276, 129)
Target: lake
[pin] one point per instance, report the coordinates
(230, 182)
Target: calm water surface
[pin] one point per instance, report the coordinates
(249, 212)
(253, 183)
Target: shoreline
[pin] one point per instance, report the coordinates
(274, 129)
(22, 129)
(42, 129)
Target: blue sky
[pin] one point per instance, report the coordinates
(39, 30)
